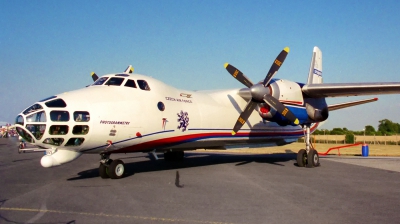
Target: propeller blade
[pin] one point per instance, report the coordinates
(278, 106)
(129, 69)
(244, 116)
(276, 65)
(94, 76)
(238, 75)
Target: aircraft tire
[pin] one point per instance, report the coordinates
(116, 169)
(302, 158)
(312, 158)
(103, 171)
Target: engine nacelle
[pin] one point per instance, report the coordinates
(58, 157)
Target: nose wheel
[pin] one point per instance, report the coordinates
(308, 157)
(109, 168)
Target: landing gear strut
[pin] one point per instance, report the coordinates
(109, 168)
(308, 157)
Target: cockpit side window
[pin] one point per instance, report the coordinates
(56, 103)
(81, 116)
(33, 108)
(143, 85)
(100, 81)
(115, 81)
(130, 83)
(58, 115)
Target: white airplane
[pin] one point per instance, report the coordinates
(126, 113)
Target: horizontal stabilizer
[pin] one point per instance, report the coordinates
(350, 104)
(351, 89)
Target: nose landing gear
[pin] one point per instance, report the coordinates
(109, 168)
(308, 157)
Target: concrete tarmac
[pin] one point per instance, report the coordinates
(209, 188)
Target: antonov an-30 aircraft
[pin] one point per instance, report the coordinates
(127, 112)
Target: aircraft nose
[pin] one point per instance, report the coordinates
(51, 123)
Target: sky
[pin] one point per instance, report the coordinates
(50, 47)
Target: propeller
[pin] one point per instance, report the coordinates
(94, 76)
(261, 93)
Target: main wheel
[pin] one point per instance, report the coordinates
(302, 158)
(103, 171)
(116, 169)
(312, 158)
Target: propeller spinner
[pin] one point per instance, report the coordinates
(261, 93)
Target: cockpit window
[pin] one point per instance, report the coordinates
(58, 129)
(19, 120)
(56, 103)
(48, 98)
(143, 85)
(115, 81)
(81, 116)
(130, 83)
(33, 108)
(37, 117)
(37, 130)
(58, 115)
(27, 137)
(75, 141)
(100, 81)
(124, 75)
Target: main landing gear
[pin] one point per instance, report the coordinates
(109, 168)
(308, 157)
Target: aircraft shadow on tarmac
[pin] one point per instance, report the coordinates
(194, 160)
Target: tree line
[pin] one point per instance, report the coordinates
(385, 127)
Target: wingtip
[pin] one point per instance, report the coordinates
(286, 49)
(226, 65)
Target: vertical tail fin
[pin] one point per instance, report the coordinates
(315, 73)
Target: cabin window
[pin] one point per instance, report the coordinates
(33, 108)
(161, 106)
(58, 130)
(80, 130)
(53, 141)
(58, 115)
(115, 81)
(143, 85)
(75, 141)
(130, 83)
(81, 116)
(56, 103)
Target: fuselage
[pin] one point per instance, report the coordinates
(123, 113)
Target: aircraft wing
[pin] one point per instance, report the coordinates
(350, 89)
(350, 104)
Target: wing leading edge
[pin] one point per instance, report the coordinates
(350, 89)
